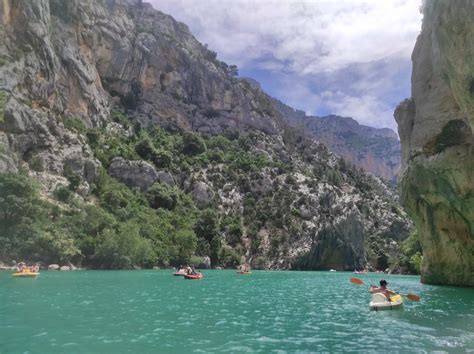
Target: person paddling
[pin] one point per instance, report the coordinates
(382, 289)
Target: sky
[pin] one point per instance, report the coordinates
(350, 58)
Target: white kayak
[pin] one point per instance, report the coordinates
(380, 302)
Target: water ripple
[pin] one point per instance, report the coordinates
(128, 312)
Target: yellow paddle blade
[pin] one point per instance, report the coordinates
(357, 281)
(413, 297)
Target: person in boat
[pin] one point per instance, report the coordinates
(20, 267)
(190, 271)
(382, 289)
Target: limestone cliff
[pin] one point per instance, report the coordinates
(93, 93)
(435, 128)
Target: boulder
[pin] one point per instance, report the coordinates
(65, 268)
(53, 267)
(135, 174)
(166, 177)
(202, 193)
(84, 189)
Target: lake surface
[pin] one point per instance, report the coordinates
(152, 311)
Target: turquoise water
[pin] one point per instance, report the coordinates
(152, 311)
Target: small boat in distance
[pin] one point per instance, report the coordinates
(193, 276)
(180, 272)
(244, 269)
(26, 272)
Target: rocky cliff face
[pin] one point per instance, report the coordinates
(91, 90)
(375, 150)
(435, 128)
(78, 58)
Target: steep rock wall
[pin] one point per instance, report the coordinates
(435, 127)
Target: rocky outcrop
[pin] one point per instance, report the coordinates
(202, 193)
(338, 246)
(374, 150)
(435, 128)
(135, 174)
(64, 64)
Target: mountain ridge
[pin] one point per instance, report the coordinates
(376, 150)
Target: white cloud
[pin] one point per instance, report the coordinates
(312, 36)
(300, 41)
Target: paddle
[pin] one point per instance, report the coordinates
(411, 296)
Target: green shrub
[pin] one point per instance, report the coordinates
(56, 246)
(93, 137)
(162, 158)
(207, 233)
(3, 101)
(121, 118)
(229, 258)
(260, 262)
(415, 261)
(123, 248)
(145, 149)
(411, 254)
(73, 179)
(193, 144)
(161, 196)
(195, 261)
(22, 215)
(75, 124)
(62, 194)
(219, 142)
(231, 225)
(36, 164)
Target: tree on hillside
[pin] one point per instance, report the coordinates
(21, 213)
(206, 230)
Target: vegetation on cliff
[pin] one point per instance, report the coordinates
(147, 150)
(120, 226)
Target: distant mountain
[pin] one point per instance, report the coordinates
(375, 150)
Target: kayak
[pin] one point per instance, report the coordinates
(176, 274)
(244, 273)
(25, 274)
(380, 302)
(192, 276)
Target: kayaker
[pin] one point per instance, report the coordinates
(382, 289)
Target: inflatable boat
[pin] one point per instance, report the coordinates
(25, 274)
(193, 276)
